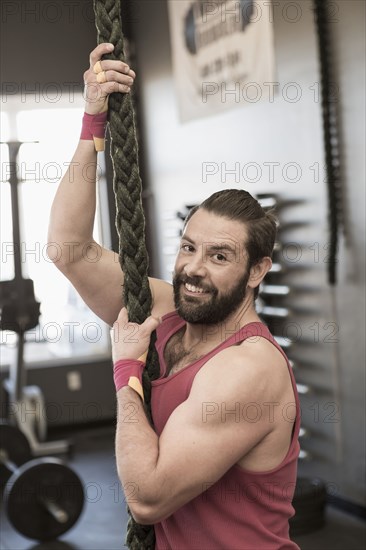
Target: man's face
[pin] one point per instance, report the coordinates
(211, 271)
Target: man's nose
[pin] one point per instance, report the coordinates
(196, 266)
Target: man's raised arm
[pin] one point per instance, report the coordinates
(93, 271)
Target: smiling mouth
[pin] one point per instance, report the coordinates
(192, 289)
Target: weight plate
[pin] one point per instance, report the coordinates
(20, 310)
(305, 525)
(309, 489)
(309, 503)
(38, 487)
(14, 446)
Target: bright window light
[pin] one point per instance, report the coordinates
(67, 327)
(4, 127)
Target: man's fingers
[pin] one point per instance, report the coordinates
(114, 82)
(114, 76)
(117, 66)
(151, 324)
(144, 330)
(110, 87)
(105, 77)
(123, 316)
(100, 50)
(118, 71)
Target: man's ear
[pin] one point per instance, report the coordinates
(259, 271)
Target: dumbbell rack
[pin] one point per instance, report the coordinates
(20, 312)
(272, 293)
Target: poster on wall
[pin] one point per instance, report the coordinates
(223, 54)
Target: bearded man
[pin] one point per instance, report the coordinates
(218, 470)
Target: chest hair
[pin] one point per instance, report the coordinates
(177, 357)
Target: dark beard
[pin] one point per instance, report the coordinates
(212, 311)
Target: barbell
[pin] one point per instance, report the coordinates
(43, 498)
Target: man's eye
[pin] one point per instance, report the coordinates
(220, 257)
(187, 248)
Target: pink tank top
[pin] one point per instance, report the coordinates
(243, 510)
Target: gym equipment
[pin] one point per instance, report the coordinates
(20, 312)
(274, 290)
(43, 497)
(337, 199)
(19, 308)
(130, 220)
(331, 136)
(309, 503)
(127, 186)
(14, 439)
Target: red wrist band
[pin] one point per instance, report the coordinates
(93, 129)
(128, 372)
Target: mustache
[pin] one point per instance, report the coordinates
(195, 281)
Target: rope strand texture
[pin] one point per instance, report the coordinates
(331, 135)
(130, 221)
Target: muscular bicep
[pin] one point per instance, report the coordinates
(203, 438)
(98, 279)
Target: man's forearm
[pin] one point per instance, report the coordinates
(73, 209)
(137, 452)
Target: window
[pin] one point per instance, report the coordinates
(67, 327)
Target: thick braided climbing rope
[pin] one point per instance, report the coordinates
(331, 133)
(130, 220)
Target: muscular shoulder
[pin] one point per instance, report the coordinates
(240, 394)
(253, 370)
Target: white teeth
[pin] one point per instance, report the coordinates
(192, 288)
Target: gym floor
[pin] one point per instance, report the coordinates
(102, 525)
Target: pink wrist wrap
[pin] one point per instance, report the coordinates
(128, 372)
(93, 129)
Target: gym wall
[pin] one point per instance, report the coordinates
(50, 45)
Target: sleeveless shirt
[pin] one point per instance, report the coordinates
(243, 510)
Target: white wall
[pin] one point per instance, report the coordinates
(283, 132)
